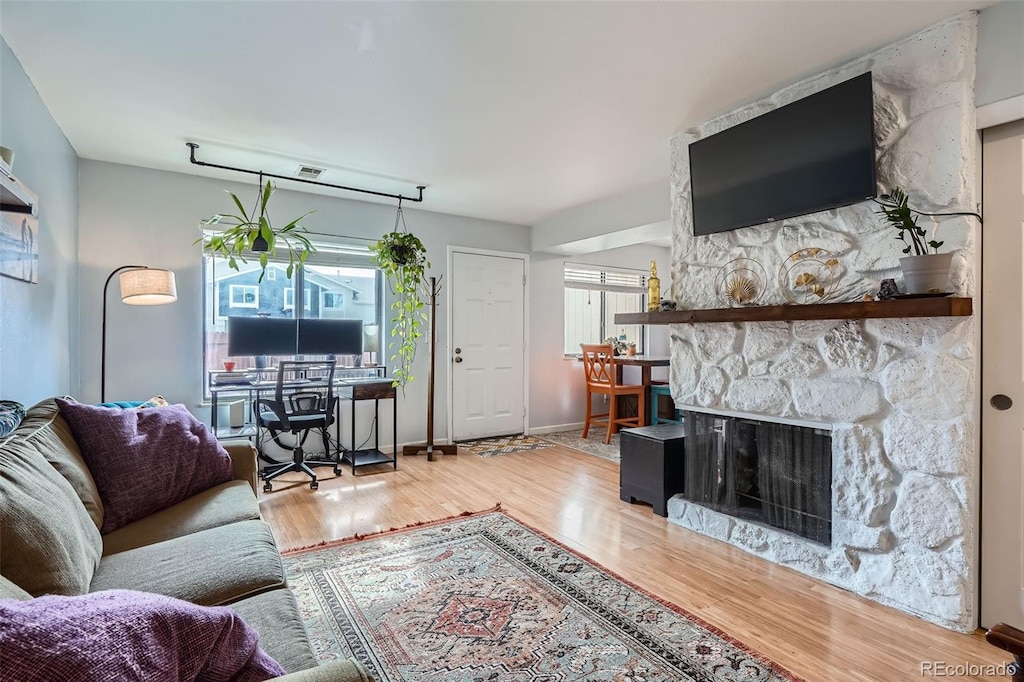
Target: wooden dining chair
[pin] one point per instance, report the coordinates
(599, 372)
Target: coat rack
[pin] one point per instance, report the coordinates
(192, 159)
(429, 448)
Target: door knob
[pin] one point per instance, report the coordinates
(458, 359)
(1001, 402)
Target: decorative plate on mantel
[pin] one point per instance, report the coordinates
(741, 282)
(809, 275)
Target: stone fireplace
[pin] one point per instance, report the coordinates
(897, 396)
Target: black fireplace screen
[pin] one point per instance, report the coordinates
(767, 472)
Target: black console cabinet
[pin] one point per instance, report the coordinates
(652, 465)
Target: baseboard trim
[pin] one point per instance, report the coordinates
(541, 430)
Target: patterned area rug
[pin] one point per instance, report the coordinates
(503, 445)
(486, 598)
(594, 445)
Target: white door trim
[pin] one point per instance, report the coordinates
(525, 257)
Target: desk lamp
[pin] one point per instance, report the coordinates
(140, 285)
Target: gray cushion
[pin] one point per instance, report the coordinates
(276, 617)
(46, 431)
(211, 567)
(218, 506)
(48, 542)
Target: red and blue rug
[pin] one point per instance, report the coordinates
(486, 598)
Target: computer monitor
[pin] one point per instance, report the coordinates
(330, 337)
(261, 336)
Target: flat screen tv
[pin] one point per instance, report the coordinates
(330, 337)
(814, 154)
(261, 336)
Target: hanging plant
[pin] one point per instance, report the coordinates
(246, 234)
(403, 259)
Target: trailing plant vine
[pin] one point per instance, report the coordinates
(403, 259)
(245, 231)
(897, 212)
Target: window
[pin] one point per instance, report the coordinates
(593, 295)
(244, 296)
(333, 299)
(338, 282)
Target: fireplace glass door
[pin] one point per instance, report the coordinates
(766, 472)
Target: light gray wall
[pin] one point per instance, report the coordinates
(39, 322)
(131, 215)
(1000, 53)
(631, 217)
(557, 391)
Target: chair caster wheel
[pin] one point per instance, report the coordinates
(337, 471)
(267, 487)
(313, 485)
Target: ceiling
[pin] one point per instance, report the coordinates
(509, 111)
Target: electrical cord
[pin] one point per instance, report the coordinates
(880, 201)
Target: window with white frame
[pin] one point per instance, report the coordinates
(289, 298)
(339, 271)
(593, 295)
(243, 296)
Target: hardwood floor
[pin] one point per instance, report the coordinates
(815, 630)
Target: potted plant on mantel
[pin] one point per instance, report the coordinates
(253, 233)
(403, 259)
(923, 272)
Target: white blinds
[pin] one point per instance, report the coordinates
(602, 278)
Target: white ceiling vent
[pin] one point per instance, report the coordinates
(309, 172)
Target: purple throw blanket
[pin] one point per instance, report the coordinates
(124, 635)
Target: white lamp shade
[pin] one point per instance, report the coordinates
(148, 286)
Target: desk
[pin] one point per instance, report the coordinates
(376, 387)
(645, 363)
(264, 381)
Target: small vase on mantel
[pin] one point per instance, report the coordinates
(653, 289)
(927, 274)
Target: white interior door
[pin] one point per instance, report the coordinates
(487, 345)
(1002, 524)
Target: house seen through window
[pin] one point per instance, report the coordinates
(593, 294)
(337, 282)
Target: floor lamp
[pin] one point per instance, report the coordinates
(140, 285)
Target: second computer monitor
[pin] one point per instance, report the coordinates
(330, 337)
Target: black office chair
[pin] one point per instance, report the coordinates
(298, 412)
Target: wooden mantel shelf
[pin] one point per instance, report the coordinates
(905, 307)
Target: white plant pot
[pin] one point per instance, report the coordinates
(926, 274)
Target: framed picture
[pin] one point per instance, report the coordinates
(19, 246)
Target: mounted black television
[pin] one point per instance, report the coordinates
(812, 155)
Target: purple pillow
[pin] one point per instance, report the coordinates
(145, 460)
(124, 635)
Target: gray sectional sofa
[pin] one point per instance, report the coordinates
(211, 549)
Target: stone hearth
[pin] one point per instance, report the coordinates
(899, 395)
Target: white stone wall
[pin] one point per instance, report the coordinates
(900, 394)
